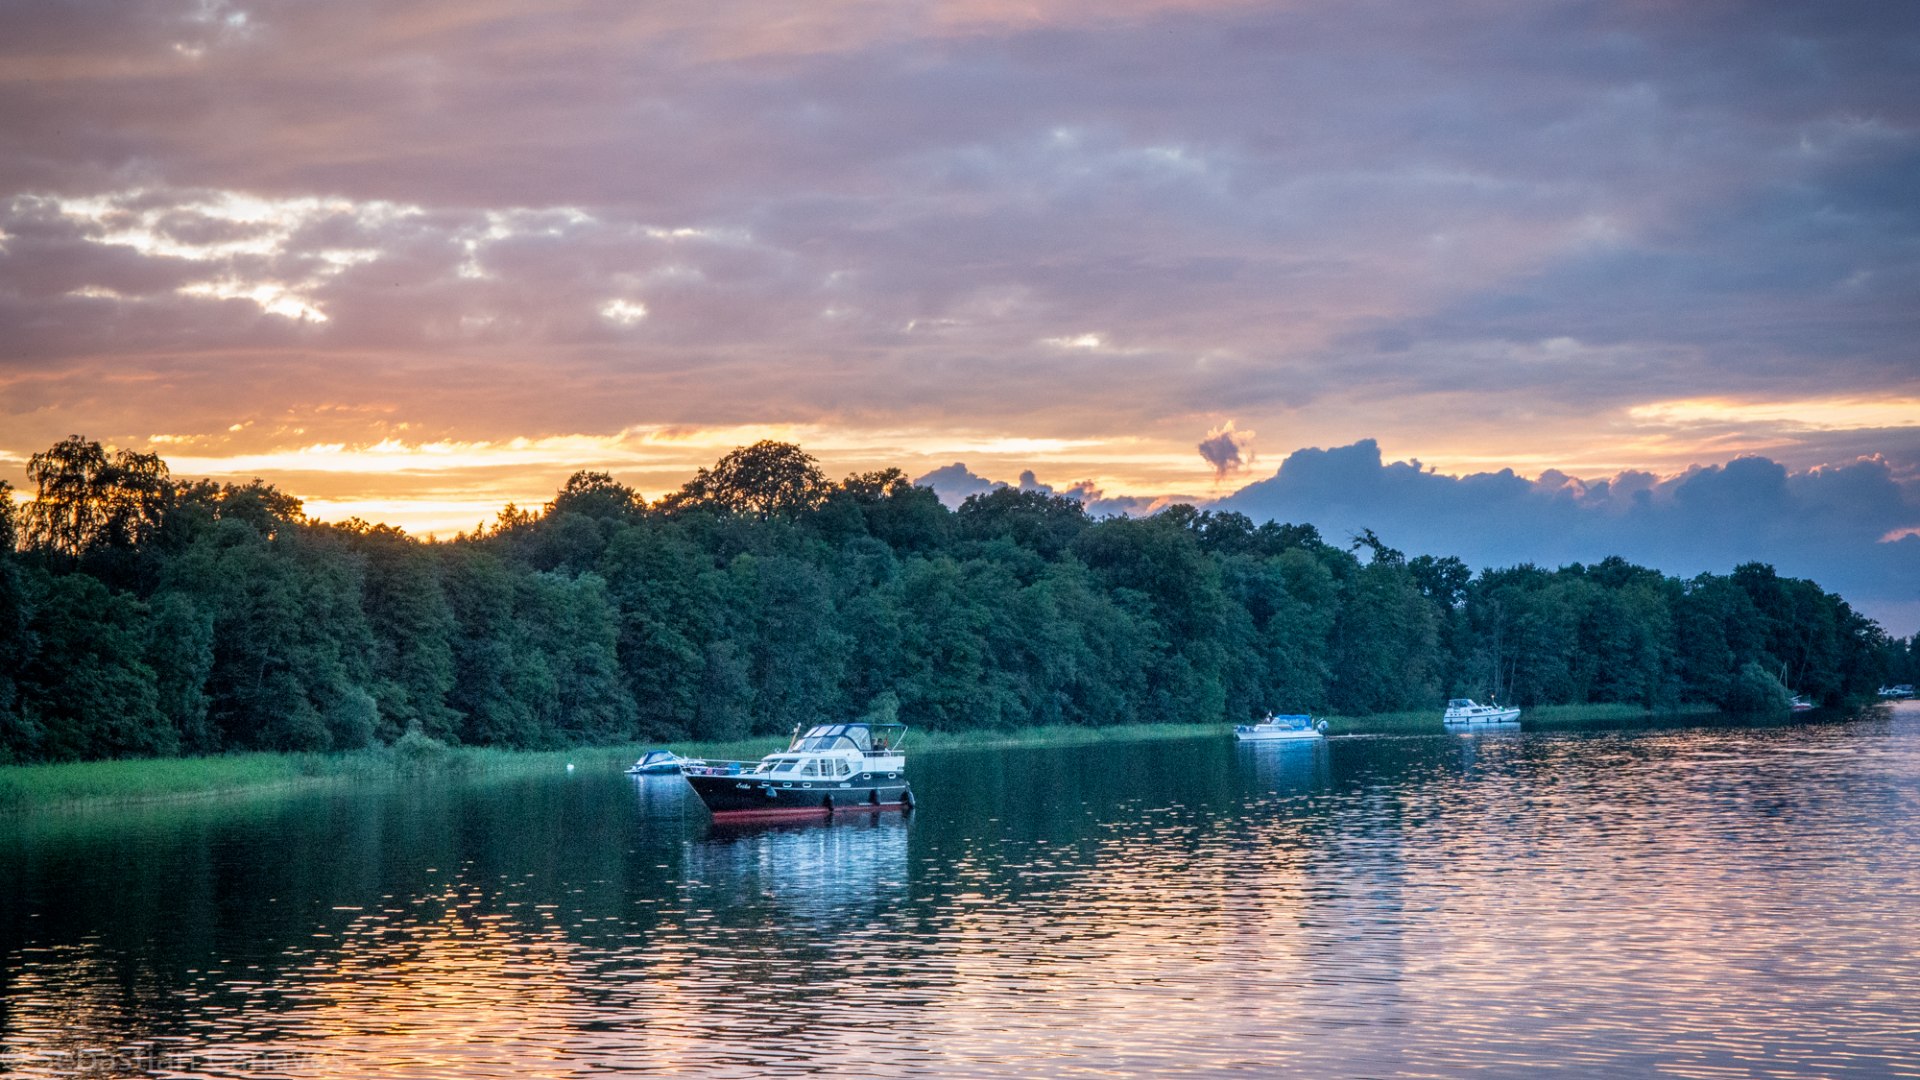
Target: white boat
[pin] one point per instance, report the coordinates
(1292, 727)
(1899, 690)
(832, 767)
(1465, 712)
(1800, 704)
(660, 763)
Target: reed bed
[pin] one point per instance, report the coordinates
(26, 788)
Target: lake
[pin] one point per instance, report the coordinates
(1698, 901)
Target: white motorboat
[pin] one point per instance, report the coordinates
(1899, 690)
(660, 763)
(1800, 704)
(1465, 712)
(832, 767)
(1292, 727)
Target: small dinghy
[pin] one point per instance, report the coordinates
(659, 763)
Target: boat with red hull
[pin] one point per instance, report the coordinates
(832, 768)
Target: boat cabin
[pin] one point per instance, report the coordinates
(864, 738)
(807, 766)
(836, 751)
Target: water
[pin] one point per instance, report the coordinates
(1696, 902)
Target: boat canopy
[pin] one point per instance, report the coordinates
(865, 738)
(1459, 703)
(1296, 719)
(652, 756)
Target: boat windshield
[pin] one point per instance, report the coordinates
(837, 737)
(1460, 703)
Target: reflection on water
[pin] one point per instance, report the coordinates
(1703, 901)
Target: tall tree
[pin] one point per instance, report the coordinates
(87, 690)
(768, 479)
(596, 495)
(1042, 523)
(89, 502)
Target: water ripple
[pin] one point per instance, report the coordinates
(1703, 902)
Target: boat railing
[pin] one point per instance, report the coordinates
(710, 767)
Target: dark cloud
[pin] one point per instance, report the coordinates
(1829, 524)
(1225, 450)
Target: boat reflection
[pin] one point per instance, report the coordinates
(814, 872)
(1287, 767)
(663, 797)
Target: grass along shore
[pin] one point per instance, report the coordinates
(27, 788)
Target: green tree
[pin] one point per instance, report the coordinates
(781, 618)
(180, 652)
(1292, 601)
(1085, 651)
(951, 676)
(19, 736)
(405, 603)
(292, 648)
(596, 495)
(1756, 690)
(90, 504)
(1036, 521)
(1196, 631)
(1385, 642)
(664, 592)
(889, 508)
(765, 480)
(571, 624)
(87, 691)
(9, 520)
(499, 681)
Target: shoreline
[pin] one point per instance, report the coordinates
(30, 789)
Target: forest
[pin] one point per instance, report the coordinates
(142, 615)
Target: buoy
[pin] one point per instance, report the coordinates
(873, 797)
(906, 799)
(569, 766)
(828, 803)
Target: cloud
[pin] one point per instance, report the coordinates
(1227, 450)
(956, 483)
(1826, 524)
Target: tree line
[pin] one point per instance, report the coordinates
(143, 615)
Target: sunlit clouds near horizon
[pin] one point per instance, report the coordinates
(414, 261)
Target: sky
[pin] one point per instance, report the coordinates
(1518, 281)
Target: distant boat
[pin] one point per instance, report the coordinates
(1289, 727)
(1801, 704)
(659, 763)
(1899, 690)
(1465, 712)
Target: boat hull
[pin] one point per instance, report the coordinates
(1279, 736)
(740, 796)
